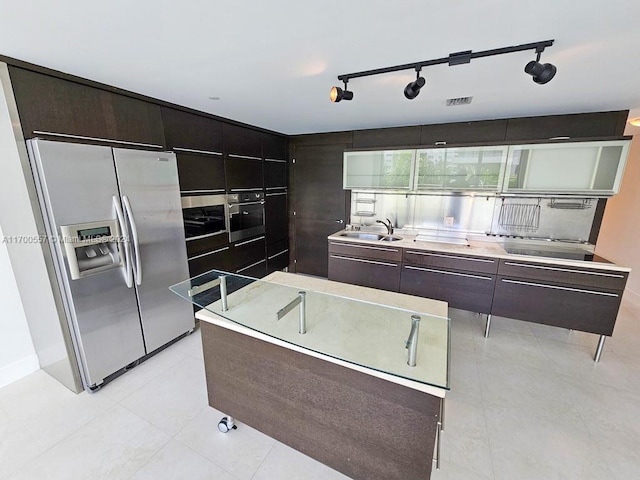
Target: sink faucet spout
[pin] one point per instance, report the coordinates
(387, 224)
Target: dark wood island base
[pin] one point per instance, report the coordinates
(363, 426)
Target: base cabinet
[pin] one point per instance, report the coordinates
(462, 290)
(569, 296)
(367, 273)
(586, 310)
(365, 265)
(577, 298)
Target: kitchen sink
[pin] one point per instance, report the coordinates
(370, 236)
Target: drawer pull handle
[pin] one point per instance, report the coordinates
(249, 266)
(365, 246)
(364, 261)
(246, 157)
(277, 254)
(555, 287)
(569, 270)
(457, 257)
(479, 277)
(248, 241)
(193, 150)
(209, 253)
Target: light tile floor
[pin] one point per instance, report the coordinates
(527, 403)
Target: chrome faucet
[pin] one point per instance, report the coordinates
(388, 225)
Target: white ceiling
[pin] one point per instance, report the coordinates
(273, 62)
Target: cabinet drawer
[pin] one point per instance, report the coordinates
(278, 260)
(368, 273)
(451, 261)
(602, 279)
(247, 252)
(255, 270)
(219, 259)
(366, 250)
(207, 244)
(459, 289)
(585, 309)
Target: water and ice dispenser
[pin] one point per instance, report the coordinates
(92, 247)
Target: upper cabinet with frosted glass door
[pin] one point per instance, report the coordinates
(379, 169)
(461, 168)
(592, 168)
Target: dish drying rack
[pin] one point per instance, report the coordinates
(365, 206)
(519, 216)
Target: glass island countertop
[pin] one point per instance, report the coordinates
(361, 333)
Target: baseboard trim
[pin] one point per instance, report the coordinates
(16, 370)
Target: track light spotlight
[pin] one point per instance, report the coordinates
(412, 90)
(338, 93)
(541, 73)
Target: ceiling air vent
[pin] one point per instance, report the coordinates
(452, 102)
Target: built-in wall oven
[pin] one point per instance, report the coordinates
(246, 214)
(204, 216)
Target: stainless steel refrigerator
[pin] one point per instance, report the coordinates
(114, 223)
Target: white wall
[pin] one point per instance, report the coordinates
(17, 355)
(620, 231)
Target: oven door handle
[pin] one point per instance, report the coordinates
(261, 202)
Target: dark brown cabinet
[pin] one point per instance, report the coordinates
(463, 290)
(217, 259)
(486, 131)
(200, 172)
(583, 125)
(277, 256)
(55, 105)
(365, 264)
(247, 257)
(240, 140)
(243, 173)
(276, 216)
(184, 130)
(464, 281)
(387, 137)
(275, 174)
(274, 146)
(563, 296)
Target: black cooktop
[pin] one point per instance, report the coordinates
(550, 253)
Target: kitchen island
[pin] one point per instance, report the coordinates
(343, 392)
(551, 283)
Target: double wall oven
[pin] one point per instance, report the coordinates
(225, 232)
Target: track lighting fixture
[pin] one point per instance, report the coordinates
(338, 93)
(541, 73)
(412, 90)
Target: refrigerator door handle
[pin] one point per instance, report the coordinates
(126, 243)
(134, 235)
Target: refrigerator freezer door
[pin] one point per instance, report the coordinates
(149, 181)
(76, 184)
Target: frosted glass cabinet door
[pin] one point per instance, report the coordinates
(380, 169)
(465, 168)
(585, 167)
